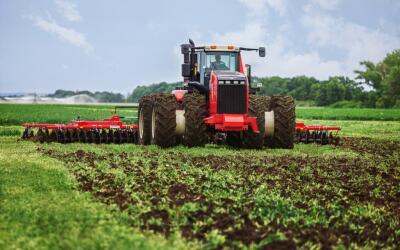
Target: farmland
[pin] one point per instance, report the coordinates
(127, 196)
(16, 114)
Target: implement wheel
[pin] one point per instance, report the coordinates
(145, 109)
(195, 106)
(163, 120)
(251, 139)
(284, 119)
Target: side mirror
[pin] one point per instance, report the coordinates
(261, 51)
(248, 73)
(185, 69)
(256, 85)
(185, 49)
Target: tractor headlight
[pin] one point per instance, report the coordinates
(220, 82)
(235, 82)
(243, 82)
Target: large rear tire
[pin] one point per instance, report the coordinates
(250, 138)
(163, 120)
(284, 115)
(145, 109)
(195, 106)
(265, 103)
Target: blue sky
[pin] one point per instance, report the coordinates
(117, 45)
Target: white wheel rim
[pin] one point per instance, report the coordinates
(269, 123)
(141, 124)
(153, 123)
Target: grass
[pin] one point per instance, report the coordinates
(356, 114)
(89, 196)
(17, 114)
(41, 208)
(384, 130)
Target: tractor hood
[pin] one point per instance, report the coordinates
(228, 75)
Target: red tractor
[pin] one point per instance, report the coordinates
(218, 97)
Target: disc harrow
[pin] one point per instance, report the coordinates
(316, 134)
(110, 130)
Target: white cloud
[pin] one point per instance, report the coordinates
(259, 8)
(357, 41)
(325, 4)
(253, 34)
(282, 61)
(66, 34)
(279, 6)
(68, 10)
(323, 33)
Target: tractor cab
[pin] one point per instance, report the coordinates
(220, 59)
(217, 72)
(200, 62)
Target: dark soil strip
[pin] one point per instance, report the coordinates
(325, 177)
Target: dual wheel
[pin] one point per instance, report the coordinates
(283, 124)
(158, 120)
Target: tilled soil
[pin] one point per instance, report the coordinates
(276, 202)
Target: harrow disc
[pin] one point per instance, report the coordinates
(110, 135)
(52, 136)
(104, 136)
(41, 136)
(96, 136)
(117, 136)
(319, 137)
(68, 136)
(108, 130)
(60, 135)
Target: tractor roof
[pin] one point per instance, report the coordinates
(213, 47)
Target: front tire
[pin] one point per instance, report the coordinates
(250, 138)
(163, 120)
(195, 106)
(285, 115)
(145, 109)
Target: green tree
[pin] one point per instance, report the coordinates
(384, 78)
(161, 87)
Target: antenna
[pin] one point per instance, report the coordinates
(191, 42)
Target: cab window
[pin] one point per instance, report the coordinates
(221, 61)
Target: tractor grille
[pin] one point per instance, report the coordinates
(231, 99)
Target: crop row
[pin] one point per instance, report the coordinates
(236, 201)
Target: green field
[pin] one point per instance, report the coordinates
(89, 196)
(355, 114)
(17, 114)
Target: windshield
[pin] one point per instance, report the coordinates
(221, 61)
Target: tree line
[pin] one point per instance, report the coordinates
(103, 96)
(375, 86)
